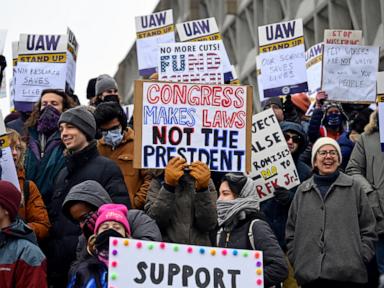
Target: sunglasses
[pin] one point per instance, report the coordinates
(295, 138)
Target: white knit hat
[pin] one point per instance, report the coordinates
(320, 143)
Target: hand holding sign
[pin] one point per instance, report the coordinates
(321, 96)
(174, 170)
(201, 173)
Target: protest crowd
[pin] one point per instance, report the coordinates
(86, 173)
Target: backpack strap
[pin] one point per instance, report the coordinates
(26, 191)
(250, 233)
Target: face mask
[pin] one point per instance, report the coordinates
(102, 244)
(333, 121)
(48, 119)
(107, 98)
(113, 137)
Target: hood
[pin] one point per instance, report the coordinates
(90, 192)
(298, 129)
(17, 230)
(373, 124)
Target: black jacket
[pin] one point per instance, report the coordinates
(87, 164)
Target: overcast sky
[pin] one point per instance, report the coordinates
(105, 31)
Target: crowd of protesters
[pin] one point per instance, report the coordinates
(79, 187)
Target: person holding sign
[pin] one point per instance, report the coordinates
(44, 156)
(182, 200)
(330, 230)
(22, 264)
(242, 226)
(93, 272)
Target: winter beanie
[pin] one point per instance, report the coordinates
(320, 143)
(301, 101)
(81, 118)
(10, 198)
(236, 182)
(113, 212)
(273, 100)
(105, 82)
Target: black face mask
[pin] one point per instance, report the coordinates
(107, 98)
(102, 240)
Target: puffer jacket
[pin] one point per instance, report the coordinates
(136, 180)
(43, 167)
(183, 216)
(276, 213)
(366, 163)
(87, 164)
(22, 264)
(331, 238)
(275, 263)
(33, 210)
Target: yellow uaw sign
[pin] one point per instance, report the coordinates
(314, 61)
(155, 32)
(380, 98)
(212, 37)
(282, 45)
(4, 141)
(44, 57)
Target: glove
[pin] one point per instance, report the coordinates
(174, 170)
(88, 224)
(282, 195)
(202, 175)
(321, 96)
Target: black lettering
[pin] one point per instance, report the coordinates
(233, 274)
(187, 272)
(207, 279)
(173, 269)
(218, 278)
(141, 266)
(160, 276)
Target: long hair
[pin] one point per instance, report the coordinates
(67, 104)
(14, 136)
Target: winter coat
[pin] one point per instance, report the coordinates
(366, 163)
(87, 164)
(33, 210)
(317, 130)
(275, 264)
(183, 216)
(276, 213)
(136, 180)
(91, 273)
(22, 264)
(43, 167)
(331, 238)
(346, 147)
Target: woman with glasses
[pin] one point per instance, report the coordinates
(330, 230)
(44, 156)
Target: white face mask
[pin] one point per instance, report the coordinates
(113, 137)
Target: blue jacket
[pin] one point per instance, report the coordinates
(346, 146)
(277, 213)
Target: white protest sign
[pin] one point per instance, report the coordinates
(281, 35)
(15, 53)
(2, 125)
(343, 37)
(314, 62)
(192, 62)
(128, 110)
(41, 65)
(272, 163)
(73, 48)
(380, 108)
(3, 34)
(137, 263)
(380, 83)
(152, 30)
(283, 71)
(259, 82)
(349, 72)
(205, 30)
(199, 122)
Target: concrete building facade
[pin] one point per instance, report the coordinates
(238, 21)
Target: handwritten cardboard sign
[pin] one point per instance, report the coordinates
(209, 123)
(192, 62)
(41, 65)
(205, 30)
(152, 30)
(343, 37)
(137, 263)
(349, 72)
(314, 63)
(272, 163)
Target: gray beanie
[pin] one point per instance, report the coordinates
(103, 83)
(81, 118)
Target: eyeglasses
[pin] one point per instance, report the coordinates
(295, 138)
(324, 153)
(117, 127)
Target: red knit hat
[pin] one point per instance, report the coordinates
(301, 101)
(10, 198)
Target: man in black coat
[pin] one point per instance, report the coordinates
(83, 162)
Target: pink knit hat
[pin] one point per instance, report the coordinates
(113, 212)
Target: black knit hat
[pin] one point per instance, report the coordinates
(81, 118)
(236, 182)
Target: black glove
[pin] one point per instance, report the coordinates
(282, 195)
